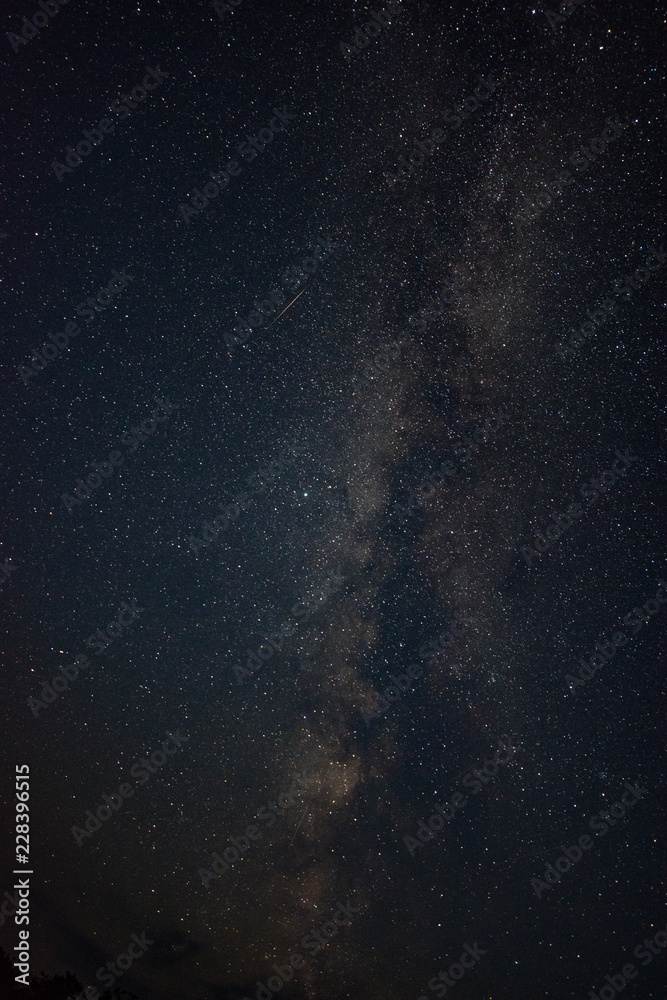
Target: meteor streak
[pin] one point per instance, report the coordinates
(285, 309)
(306, 809)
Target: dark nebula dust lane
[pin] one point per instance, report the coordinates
(331, 573)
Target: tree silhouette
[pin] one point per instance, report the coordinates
(45, 987)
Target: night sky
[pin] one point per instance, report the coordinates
(333, 480)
